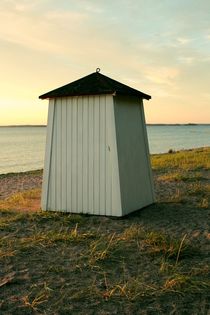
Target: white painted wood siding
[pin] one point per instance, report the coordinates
(48, 149)
(136, 182)
(81, 163)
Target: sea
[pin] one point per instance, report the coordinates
(22, 148)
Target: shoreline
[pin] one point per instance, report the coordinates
(40, 170)
(29, 172)
(165, 169)
(147, 124)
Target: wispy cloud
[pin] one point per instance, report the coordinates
(184, 41)
(187, 60)
(22, 30)
(162, 75)
(157, 46)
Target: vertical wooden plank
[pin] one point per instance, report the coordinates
(116, 193)
(90, 155)
(74, 154)
(69, 153)
(64, 155)
(80, 154)
(108, 166)
(48, 154)
(102, 155)
(85, 154)
(58, 181)
(96, 136)
(53, 164)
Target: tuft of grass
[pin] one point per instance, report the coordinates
(8, 221)
(175, 282)
(181, 283)
(45, 239)
(7, 253)
(198, 189)
(34, 299)
(201, 191)
(72, 235)
(65, 218)
(100, 249)
(133, 232)
(181, 176)
(177, 197)
(131, 289)
(135, 288)
(204, 203)
(21, 200)
(170, 248)
(165, 266)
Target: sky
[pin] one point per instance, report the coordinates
(160, 47)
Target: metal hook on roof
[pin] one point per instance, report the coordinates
(98, 69)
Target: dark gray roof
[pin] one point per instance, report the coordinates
(93, 84)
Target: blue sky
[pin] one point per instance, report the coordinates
(159, 47)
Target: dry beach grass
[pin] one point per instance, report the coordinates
(155, 261)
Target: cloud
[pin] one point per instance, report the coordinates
(23, 30)
(64, 17)
(187, 60)
(47, 31)
(20, 6)
(184, 41)
(160, 47)
(162, 75)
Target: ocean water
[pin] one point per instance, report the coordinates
(178, 137)
(22, 148)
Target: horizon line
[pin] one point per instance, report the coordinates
(148, 124)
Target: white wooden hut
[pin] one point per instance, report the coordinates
(97, 157)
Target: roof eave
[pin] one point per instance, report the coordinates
(139, 95)
(50, 96)
(147, 97)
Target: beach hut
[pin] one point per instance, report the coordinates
(97, 157)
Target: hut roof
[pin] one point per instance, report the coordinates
(93, 84)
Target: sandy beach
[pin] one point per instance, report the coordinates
(171, 188)
(184, 189)
(17, 182)
(137, 263)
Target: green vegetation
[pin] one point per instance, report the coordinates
(186, 160)
(21, 200)
(154, 261)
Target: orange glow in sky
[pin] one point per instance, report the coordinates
(154, 46)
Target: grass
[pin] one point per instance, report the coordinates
(186, 160)
(21, 200)
(154, 261)
(169, 247)
(35, 172)
(199, 189)
(187, 175)
(181, 176)
(75, 266)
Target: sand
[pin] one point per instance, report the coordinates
(17, 182)
(177, 209)
(182, 210)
